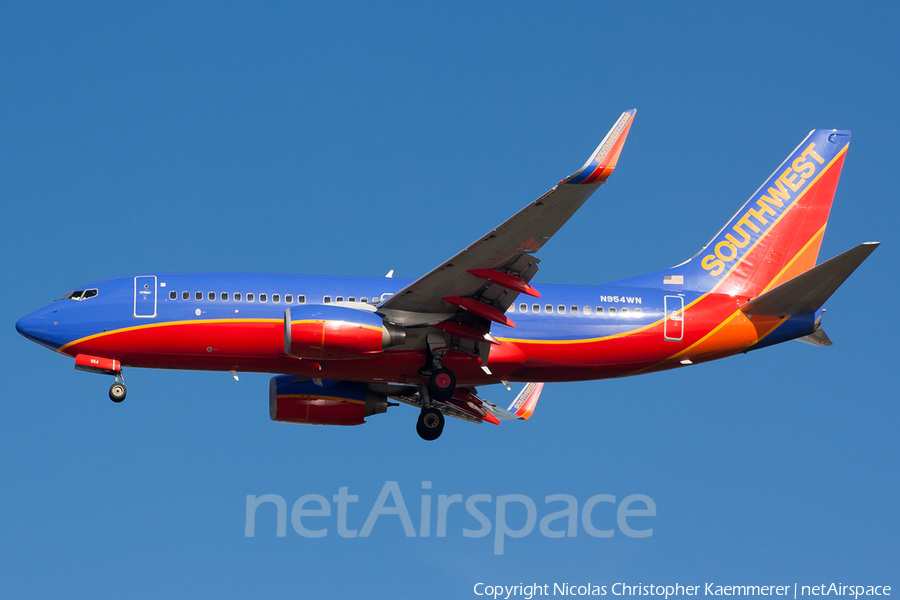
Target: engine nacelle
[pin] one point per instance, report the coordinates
(300, 400)
(336, 332)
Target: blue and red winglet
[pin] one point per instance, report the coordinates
(524, 404)
(520, 409)
(603, 161)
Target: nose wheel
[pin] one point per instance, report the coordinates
(430, 424)
(117, 392)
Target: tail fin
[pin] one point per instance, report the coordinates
(777, 234)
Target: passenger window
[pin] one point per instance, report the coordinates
(263, 298)
(250, 296)
(624, 311)
(599, 310)
(637, 311)
(339, 299)
(237, 296)
(289, 299)
(301, 299)
(364, 299)
(561, 309)
(523, 307)
(548, 308)
(512, 308)
(185, 295)
(376, 300)
(276, 298)
(198, 296)
(535, 308)
(211, 295)
(586, 309)
(224, 296)
(612, 310)
(351, 299)
(326, 299)
(173, 295)
(574, 310)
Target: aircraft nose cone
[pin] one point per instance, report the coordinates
(33, 327)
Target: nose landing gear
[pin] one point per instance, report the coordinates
(117, 390)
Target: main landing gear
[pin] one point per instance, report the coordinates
(430, 424)
(441, 384)
(440, 388)
(117, 390)
(441, 381)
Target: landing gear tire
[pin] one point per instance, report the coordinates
(117, 392)
(430, 424)
(442, 384)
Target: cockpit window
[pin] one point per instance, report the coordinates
(79, 295)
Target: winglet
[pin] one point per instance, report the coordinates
(602, 162)
(524, 404)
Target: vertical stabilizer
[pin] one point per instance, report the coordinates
(776, 235)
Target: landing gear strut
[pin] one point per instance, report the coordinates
(430, 424)
(117, 390)
(441, 381)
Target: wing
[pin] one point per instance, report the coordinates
(474, 288)
(468, 406)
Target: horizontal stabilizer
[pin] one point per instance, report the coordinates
(816, 338)
(806, 293)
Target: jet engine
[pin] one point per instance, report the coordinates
(302, 400)
(336, 332)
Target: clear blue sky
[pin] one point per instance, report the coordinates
(355, 138)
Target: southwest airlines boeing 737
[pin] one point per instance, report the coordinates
(345, 347)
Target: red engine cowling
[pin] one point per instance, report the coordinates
(300, 400)
(336, 332)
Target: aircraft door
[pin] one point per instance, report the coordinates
(673, 326)
(145, 296)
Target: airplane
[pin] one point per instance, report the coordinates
(345, 347)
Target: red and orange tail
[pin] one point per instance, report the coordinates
(777, 234)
